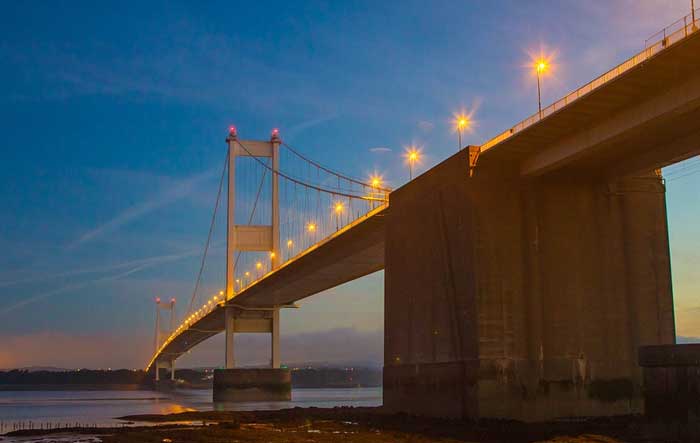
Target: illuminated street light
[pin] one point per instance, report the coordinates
(541, 67)
(311, 227)
(338, 211)
(461, 122)
(290, 243)
(412, 157)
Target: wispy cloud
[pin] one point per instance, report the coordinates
(133, 265)
(171, 194)
(426, 126)
(379, 150)
(301, 127)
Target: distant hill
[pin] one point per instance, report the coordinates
(40, 369)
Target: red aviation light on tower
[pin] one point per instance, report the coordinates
(275, 133)
(232, 130)
(157, 300)
(172, 301)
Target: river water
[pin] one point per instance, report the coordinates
(99, 408)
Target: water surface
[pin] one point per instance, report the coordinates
(99, 408)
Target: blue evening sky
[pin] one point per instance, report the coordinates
(113, 118)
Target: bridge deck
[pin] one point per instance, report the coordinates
(353, 252)
(619, 126)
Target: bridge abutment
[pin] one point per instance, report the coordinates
(523, 299)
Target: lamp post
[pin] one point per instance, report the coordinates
(540, 68)
(338, 212)
(412, 156)
(462, 123)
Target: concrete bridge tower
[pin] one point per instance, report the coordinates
(231, 383)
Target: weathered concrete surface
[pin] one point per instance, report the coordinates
(523, 299)
(671, 382)
(260, 384)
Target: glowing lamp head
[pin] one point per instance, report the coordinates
(376, 181)
(258, 265)
(232, 130)
(247, 274)
(290, 243)
(339, 208)
(541, 66)
(311, 227)
(413, 155)
(272, 254)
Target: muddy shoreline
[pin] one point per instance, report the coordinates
(364, 425)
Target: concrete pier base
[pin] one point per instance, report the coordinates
(671, 382)
(241, 385)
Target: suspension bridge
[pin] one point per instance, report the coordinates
(521, 276)
(299, 229)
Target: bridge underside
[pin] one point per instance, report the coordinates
(645, 119)
(353, 252)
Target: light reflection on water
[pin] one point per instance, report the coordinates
(100, 407)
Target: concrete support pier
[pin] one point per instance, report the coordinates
(671, 382)
(523, 299)
(252, 384)
(241, 385)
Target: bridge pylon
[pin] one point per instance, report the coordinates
(228, 383)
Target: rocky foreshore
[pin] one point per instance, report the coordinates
(363, 425)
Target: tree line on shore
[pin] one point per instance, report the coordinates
(301, 377)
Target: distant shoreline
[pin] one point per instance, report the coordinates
(74, 387)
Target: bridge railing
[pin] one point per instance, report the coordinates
(671, 34)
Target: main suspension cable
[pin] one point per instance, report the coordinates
(211, 230)
(300, 182)
(330, 171)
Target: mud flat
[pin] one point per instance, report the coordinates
(364, 425)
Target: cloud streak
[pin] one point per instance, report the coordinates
(134, 265)
(177, 191)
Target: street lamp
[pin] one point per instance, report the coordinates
(541, 67)
(462, 122)
(338, 211)
(412, 157)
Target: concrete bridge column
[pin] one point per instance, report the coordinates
(230, 325)
(523, 299)
(248, 384)
(275, 339)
